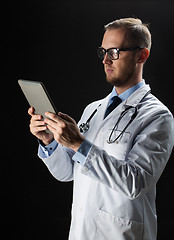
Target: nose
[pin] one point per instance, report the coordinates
(107, 60)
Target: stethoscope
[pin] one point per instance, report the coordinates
(84, 127)
(127, 125)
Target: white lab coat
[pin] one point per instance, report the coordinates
(114, 192)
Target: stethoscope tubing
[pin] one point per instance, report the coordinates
(127, 125)
(84, 127)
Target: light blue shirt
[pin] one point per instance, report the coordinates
(81, 154)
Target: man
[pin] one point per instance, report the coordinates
(122, 149)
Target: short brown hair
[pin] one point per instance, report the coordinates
(139, 32)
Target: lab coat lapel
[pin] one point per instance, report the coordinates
(137, 96)
(104, 105)
(97, 122)
(133, 101)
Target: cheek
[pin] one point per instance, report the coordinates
(125, 65)
(120, 68)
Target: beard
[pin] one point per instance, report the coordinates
(120, 79)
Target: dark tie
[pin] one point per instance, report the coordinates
(115, 102)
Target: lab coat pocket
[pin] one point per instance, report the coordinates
(118, 148)
(115, 228)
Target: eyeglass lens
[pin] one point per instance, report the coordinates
(112, 53)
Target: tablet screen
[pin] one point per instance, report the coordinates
(37, 96)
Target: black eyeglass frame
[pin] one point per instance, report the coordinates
(118, 51)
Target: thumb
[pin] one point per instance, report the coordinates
(31, 111)
(66, 117)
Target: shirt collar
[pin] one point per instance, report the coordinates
(124, 95)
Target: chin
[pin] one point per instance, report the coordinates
(114, 81)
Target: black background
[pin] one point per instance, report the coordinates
(55, 42)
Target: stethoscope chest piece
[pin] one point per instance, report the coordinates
(84, 127)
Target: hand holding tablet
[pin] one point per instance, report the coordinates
(40, 102)
(45, 123)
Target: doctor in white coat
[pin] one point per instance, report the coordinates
(116, 160)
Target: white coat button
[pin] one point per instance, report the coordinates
(81, 209)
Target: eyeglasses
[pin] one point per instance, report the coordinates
(113, 53)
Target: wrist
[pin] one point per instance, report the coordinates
(45, 142)
(76, 146)
(48, 139)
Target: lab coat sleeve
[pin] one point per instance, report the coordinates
(144, 163)
(45, 151)
(60, 163)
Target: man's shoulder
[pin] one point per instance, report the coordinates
(155, 104)
(151, 109)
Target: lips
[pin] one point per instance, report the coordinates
(109, 70)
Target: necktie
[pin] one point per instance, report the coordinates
(115, 102)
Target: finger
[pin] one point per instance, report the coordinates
(55, 119)
(66, 117)
(52, 123)
(52, 116)
(37, 123)
(36, 118)
(53, 130)
(38, 129)
(35, 128)
(31, 111)
(61, 116)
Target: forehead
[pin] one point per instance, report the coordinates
(115, 38)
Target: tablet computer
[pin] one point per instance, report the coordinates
(37, 97)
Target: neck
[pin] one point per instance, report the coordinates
(129, 83)
(122, 89)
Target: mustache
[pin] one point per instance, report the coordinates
(108, 67)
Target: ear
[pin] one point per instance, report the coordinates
(144, 54)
